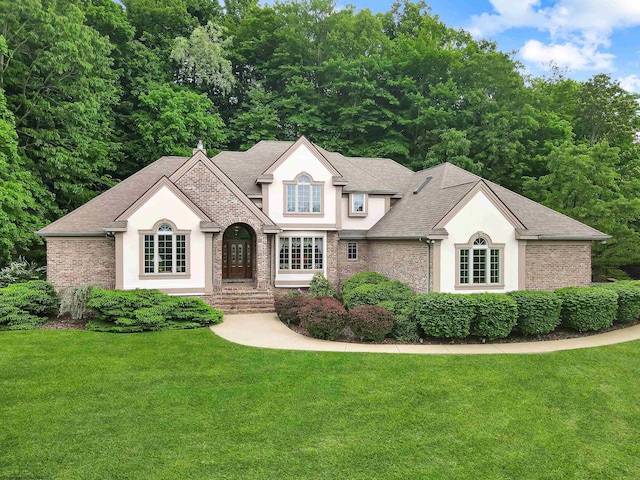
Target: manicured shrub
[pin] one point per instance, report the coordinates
(628, 300)
(320, 287)
(370, 322)
(373, 294)
(73, 301)
(538, 311)
(586, 308)
(27, 305)
(288, 308)
(447, 315)
(324, 317)
(405, 325)
(125, 311)
(496, 315)
(21, 271)
(362, 278)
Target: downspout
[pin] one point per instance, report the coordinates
(427, 242)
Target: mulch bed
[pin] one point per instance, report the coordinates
(64, 323)
(561, 333)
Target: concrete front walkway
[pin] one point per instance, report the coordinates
(265, 330)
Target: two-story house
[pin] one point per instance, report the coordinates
(244, 224)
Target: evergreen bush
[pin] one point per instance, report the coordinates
(73, 301)
(405, 325)
(447, 315)
(538, 311)
(362, 278)
(321, 287)
(374, 294)
(586, 308)
(24, 306)
(496, 315)
(628, 299)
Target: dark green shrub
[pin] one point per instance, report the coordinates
(125, 311)
(362, 278)
(496, 315)
(324, 317)
(447, 315)
(370, 322)
(320, 287)
(405, 325)
(368, 294)
(73, 301)
(288, 308)
(538, 311)
(628, 300)
(586, 308)
(27, 305)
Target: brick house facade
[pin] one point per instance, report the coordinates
(242, 225)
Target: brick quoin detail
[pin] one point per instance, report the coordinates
(76, 261)
(552, 265)
(204, 189)
(404, 260)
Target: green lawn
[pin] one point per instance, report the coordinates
(189, 405)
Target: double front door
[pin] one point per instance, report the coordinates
(236, 259)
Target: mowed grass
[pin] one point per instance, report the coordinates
(189, 405)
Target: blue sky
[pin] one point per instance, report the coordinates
(585, 37)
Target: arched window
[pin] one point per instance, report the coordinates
(303, 195)
(480, 262)
(165, 249)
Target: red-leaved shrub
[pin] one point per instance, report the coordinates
(324, 317)
(288, 308)
(370, 322)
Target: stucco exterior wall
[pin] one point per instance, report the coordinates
(551, 265)
(478, 215)
(74, 261)
(163, 205)
(375, 211)
(204, 189)
(404, 260)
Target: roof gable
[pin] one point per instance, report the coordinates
(302, 141)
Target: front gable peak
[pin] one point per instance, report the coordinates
(302, 142)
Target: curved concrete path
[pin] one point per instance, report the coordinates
(265, 330)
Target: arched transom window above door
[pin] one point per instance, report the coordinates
(303, 195)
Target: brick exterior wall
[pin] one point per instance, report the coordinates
(347, 268)
(74, 261)
(551, 265)
(204, 189)
(404, 260)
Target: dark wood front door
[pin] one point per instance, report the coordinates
(236, 259)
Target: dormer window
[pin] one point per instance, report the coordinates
(303, 195)
(357, 204)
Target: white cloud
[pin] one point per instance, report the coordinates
(578, 29)
(631, 83)
(575, 57)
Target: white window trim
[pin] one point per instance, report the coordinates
(302, 270)
(174, 232)
(469, 246)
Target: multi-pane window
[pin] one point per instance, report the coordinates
(304, 196)
(165, 251)
(479, 264)
(352, 250)
(357, 203)
(301, 253)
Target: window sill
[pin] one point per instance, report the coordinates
(303, 214)
(297, 272)
(481, 286)
(162, 276)
(357, 214)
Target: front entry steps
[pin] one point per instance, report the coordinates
(244, 298)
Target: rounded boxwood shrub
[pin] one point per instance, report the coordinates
(405, 325)
(447, 315)
(628, 300)
(321, 287)
(496, 315)
(288, 307)
(369, 294)
(538, 311)
(370, 322)
(323, 317)
(362, 278)
(586, 308)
